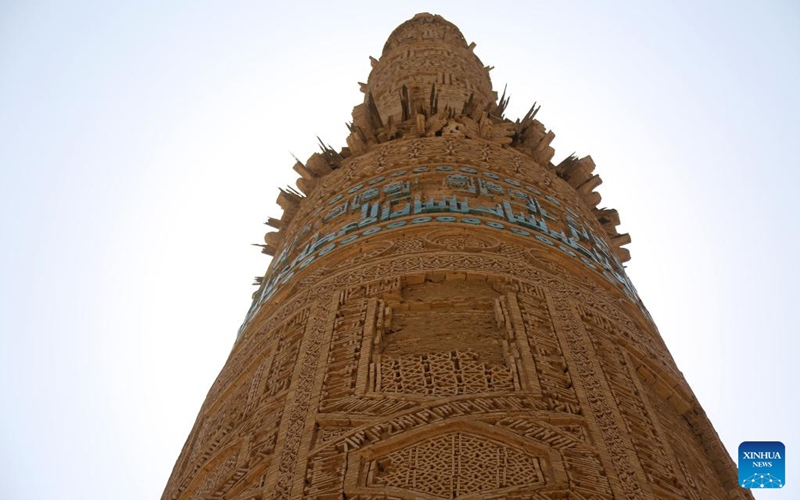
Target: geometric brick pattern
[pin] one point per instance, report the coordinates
(454, 465)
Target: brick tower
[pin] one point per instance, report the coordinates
(446, 315)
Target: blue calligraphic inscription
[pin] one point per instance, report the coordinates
(387, 213)
(369, 214)
(307, 257)
(601, 259)
(322, 241)
(518, 218)
(461, 183)
(287, 248)
(567, 251)
(577, 230)
(599, 243)
(572, 213)
(367, 195)
(349, 227)
(430, 206)
(281, 258)
(456, 206)
(327, 249)
(519, 195)
(543, 225)
(489, 188)
(553, 201)
(495, 210)
(533, 205)
(574, 232)
(457, 180)
(578, 247)
(397, 188)
(336, 212)
(522, 214)
(559, 235)
(546, 215)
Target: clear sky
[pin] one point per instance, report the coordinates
(142, 145)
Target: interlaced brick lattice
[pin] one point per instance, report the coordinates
(454, 465)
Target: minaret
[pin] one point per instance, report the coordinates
(446, 315)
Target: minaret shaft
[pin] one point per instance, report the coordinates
(446, 315)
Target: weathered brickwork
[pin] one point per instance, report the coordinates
(446, 315)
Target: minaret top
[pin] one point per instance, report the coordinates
(429, 83)
(425, 26)
(426, 65)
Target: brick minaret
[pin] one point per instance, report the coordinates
(446, 315)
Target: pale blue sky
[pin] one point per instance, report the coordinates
(143, 144)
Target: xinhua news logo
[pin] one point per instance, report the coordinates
(762, 464)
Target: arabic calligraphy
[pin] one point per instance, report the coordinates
(442, 194)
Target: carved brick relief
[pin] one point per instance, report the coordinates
(215, 480)
(447, 316)
(531, 306)
(553, 372)
(247, 412)
(569, 435)
(291, 431)
(698, 472)
(453, 465)
(604, 417)
(656, 460)
(422, 349)
(345, 349)
(387, 454)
